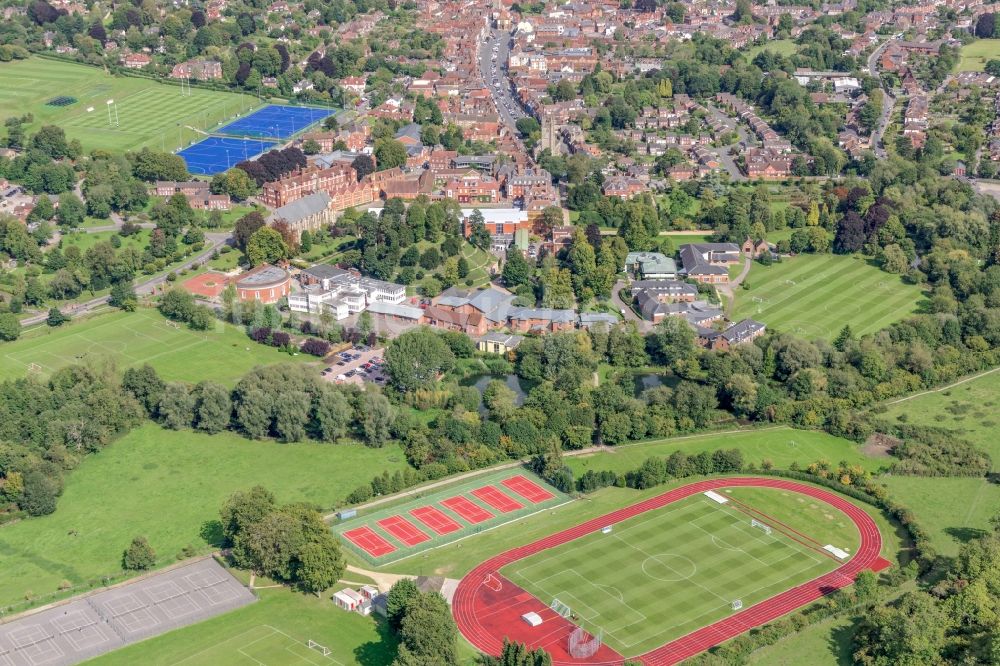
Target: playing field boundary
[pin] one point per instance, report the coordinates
(486, 615)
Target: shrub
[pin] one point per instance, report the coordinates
(315, 347)
(139, 555)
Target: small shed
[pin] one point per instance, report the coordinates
(533, 619)
(348, 599)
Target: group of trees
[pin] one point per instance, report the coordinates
(426, 629)
(284, 401)
(272, 165)
(288, 543)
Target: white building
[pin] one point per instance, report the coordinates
(341, 292)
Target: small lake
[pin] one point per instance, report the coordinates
(513, 382)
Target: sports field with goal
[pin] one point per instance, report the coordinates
(664, 574)
(815, 295)
(133, 338)
(144, 113)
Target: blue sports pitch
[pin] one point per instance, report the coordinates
(216, 154)
(275, 121)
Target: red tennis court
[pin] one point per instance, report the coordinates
(367, 540)
(497, 499)
(403, 530)
(436, 520)
(468, 509)
(527, 489)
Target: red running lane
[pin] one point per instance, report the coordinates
(435, 519)
(527, 489)
(497, 499)
(369, 541)
(403, 530)
(468, 509)
(472, 601)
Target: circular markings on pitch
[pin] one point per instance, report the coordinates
(669, 567)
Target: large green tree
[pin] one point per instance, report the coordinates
(416, 358)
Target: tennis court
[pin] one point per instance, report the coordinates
(497, 499)
(468, 510)
(367, 540)
(436, 520)
(216, 154)
(276, 121)
(527, 489)
(403, 530)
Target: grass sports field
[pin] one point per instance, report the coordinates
(482, 503)
(149, 113)
(659, 576)
(781, 445)
(975, 55)
(134, 338)
(815, 295)
(969, 408)
(108, 500)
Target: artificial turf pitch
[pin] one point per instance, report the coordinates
(659, 576)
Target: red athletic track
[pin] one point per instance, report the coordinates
(484, 617)
(528, 489)
(497, 499)
(468, 509)
(435, 519)
(404, 530)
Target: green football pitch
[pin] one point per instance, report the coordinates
(815, 295)
(658, 577)
(134, 338)
(144, 113)
(264, 645)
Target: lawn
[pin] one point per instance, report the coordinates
(274, 631)
(785, 47)
(167, 486)
(149, 113)
(815, 295)
(659, 576)
(781, 445)
(975, 54)
(970, 409)
(133, 338)
(954, 510)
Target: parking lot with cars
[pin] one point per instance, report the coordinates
(357, 365)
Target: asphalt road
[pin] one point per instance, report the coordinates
(495, 69)
(888, 103)
(729, 161)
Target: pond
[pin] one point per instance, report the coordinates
(513, 382)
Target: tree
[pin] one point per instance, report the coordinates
(320, 565)
(176, 408)
(266, 246)
(71, 210)
(516, 270)
(244, 508)
(246, 227)
(400, 594)
(894, 260)
(416, 358)
(428, 632)
(213, 407)
(152, 165)
(139, 556)
(40, 494)
(10, 327)
(123, 296)
(177, 304)
(56, 318)
(389, 153)
(363, 165)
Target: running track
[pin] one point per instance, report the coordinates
(470, 604)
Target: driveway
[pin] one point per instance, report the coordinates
(626, 309)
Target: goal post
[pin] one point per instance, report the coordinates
(561, 609)
(34, 368)
(322, 649)
(172, 324)
(764, 527)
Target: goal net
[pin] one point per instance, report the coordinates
(313, 645)
(582, 644)
(561, 609)
(761, 526)
(34, 368)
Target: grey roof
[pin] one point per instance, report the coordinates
(589, 318)
(323, 271)
(329, 159)
(509, 340)
(742, 331)
(302, 208)
(490, 300)
(411, 131)
(694, 259)
(263, 275)
(547, 314)
(407, 311)
(671, 287)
